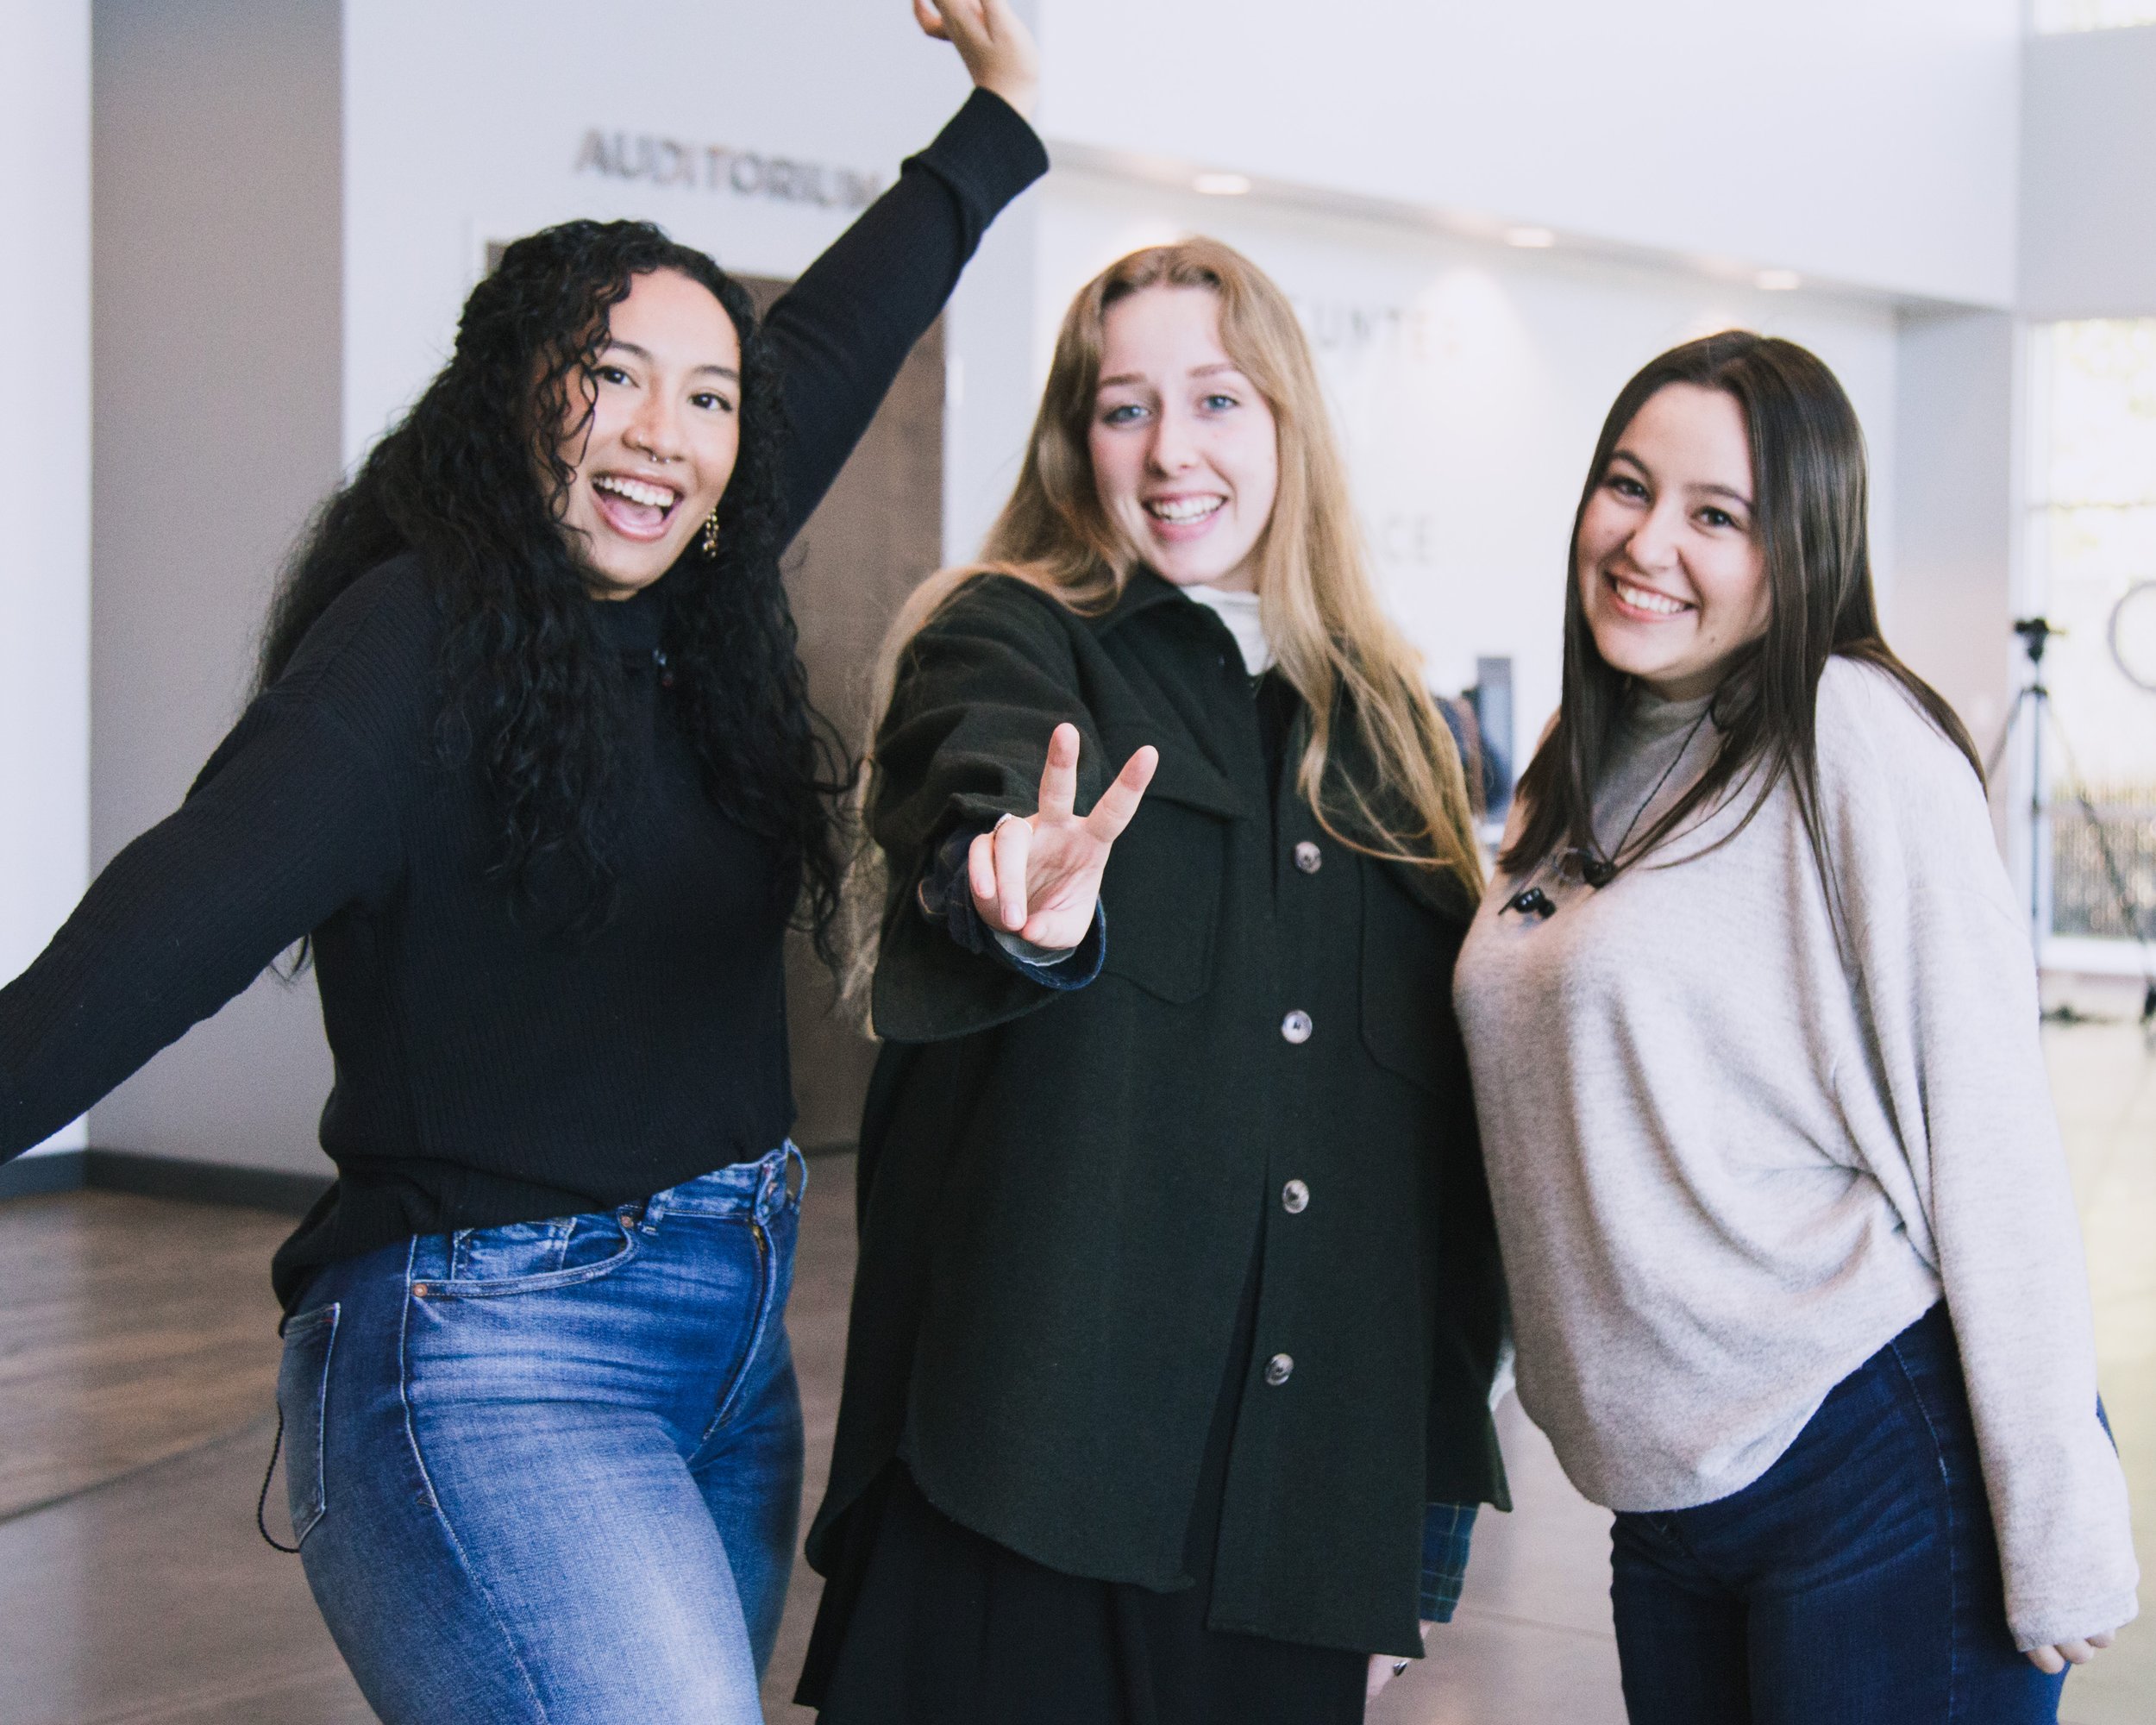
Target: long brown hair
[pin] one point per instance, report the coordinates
(1320, 606)
(1810, 504)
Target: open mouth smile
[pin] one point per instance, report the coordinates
(635, 509)
(1644, 602)
(1183, 517)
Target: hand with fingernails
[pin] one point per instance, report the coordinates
(992, 41)
(1038, 875)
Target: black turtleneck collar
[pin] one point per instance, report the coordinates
(633, 625)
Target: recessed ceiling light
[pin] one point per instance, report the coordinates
(1778, 280)
(1530, 239)
(1222, 185)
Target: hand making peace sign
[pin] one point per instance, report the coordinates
(1038, 877)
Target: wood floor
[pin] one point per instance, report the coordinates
(138, 1353)
(132, 1330)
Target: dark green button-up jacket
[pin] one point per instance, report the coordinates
(1063, 1193)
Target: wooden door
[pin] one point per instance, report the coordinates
(874, 538)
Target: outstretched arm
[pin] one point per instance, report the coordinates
(987, 693)
(285, 824)
(844, 329)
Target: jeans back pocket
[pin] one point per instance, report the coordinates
(303, 1399)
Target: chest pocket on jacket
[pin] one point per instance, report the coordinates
(1408, 951)
(1162, 885)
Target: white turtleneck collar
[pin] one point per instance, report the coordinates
(1239, 611)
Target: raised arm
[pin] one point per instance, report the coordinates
(844, 329)
(285, 824)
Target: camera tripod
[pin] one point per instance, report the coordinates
(2034, 699)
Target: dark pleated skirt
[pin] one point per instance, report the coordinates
(926, 1622)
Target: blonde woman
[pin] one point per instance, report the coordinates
(1178, 1299)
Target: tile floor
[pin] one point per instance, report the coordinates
(137, 1353)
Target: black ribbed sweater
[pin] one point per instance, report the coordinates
(489, 1070)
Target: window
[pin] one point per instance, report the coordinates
(2092, 554)
(2056, 17)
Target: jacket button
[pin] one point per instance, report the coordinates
(1279, 1368)
(1296, 1026)
(1308, 857)
(1295, 1197)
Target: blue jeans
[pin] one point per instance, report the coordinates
(552, 1471)
(1856, 1580)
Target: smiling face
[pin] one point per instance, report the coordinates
(1186, 451)
(1673, 582)
(655, 456)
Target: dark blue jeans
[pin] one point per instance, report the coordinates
(1856, 1581)
(552, 1471)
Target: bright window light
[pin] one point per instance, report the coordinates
(2092, 543)
(1778, 280)
(1530, 239)
(2057, 18)
(1222, 185)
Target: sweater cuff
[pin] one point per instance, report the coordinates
(987, 154)
(1447, 1528)
(2097, 1617)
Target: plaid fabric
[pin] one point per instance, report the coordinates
(1446, 1530)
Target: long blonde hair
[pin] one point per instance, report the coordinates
(1316, 597)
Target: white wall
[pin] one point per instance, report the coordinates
(216, 433)
(1869, 142)
(45, 453)
(1959, 500)
(464, 123)
(2089, 175)
(1469, 381)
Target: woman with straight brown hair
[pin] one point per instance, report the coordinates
(1795, 1268)
(1178, 1303)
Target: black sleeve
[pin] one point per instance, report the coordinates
(288, 822)
(979, 692)
(844, 329)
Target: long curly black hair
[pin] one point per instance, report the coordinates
(470, 480)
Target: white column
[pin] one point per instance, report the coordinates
(993, 371)
(45, 454)
(1955, 507)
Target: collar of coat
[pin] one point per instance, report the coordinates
(1186, 776)
(1143, 592)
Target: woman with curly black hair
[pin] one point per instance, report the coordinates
(532, 767)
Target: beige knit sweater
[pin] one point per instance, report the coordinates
(1731, 1161)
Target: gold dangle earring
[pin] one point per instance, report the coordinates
(710, 533)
